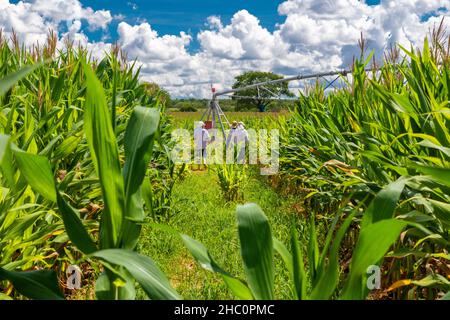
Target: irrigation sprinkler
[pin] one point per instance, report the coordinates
(214, 113)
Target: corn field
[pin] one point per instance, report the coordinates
(379, 150)
(85, 167)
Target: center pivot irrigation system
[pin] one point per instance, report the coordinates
(214, 113)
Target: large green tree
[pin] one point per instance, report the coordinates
(259, 98)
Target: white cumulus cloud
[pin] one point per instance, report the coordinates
(32, 20)
(316, 35)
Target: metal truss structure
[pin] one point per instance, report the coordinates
(214, 114)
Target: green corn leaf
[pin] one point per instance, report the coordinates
(373, 243)
(430, 144)
(329, 278)
(442, 211)
(313, 249)
(285, 255)
(328, 240)
(403, 104)
(384, 203)
(441, 175)
(300, 279)
(369, 57)
(6, 165)
(67, 147)
(257, 250)
(139, 137)
(40, 285)
(102, 143)
(147, 195)
(143, 269)
(38, 173)
(58, 86)
(103, 288)
(74, 227)
(140, 132)
(106, 286)
(8, 82)
(432, 281)
(20, 225)
(203, 257)
(426, 51)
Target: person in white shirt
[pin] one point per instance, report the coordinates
(242, 141)
(201, 139)
(232, 135)
(231, 142)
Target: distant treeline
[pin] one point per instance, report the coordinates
(192, 105)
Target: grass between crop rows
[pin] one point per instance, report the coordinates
(205, 216)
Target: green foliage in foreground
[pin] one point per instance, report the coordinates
(322, 280)
(123, 215)
(389, 130)
(73, 156)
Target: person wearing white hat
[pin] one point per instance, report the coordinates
(201, 139)
(232, 135)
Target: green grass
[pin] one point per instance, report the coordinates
(204, 215)
(252, 120)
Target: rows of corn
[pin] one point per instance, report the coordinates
(82, 147)
(379, 149)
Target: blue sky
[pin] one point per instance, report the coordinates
(174, 16)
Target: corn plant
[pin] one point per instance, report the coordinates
(232, 179)
(356, 141)
(158, 187)
(123, 206)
